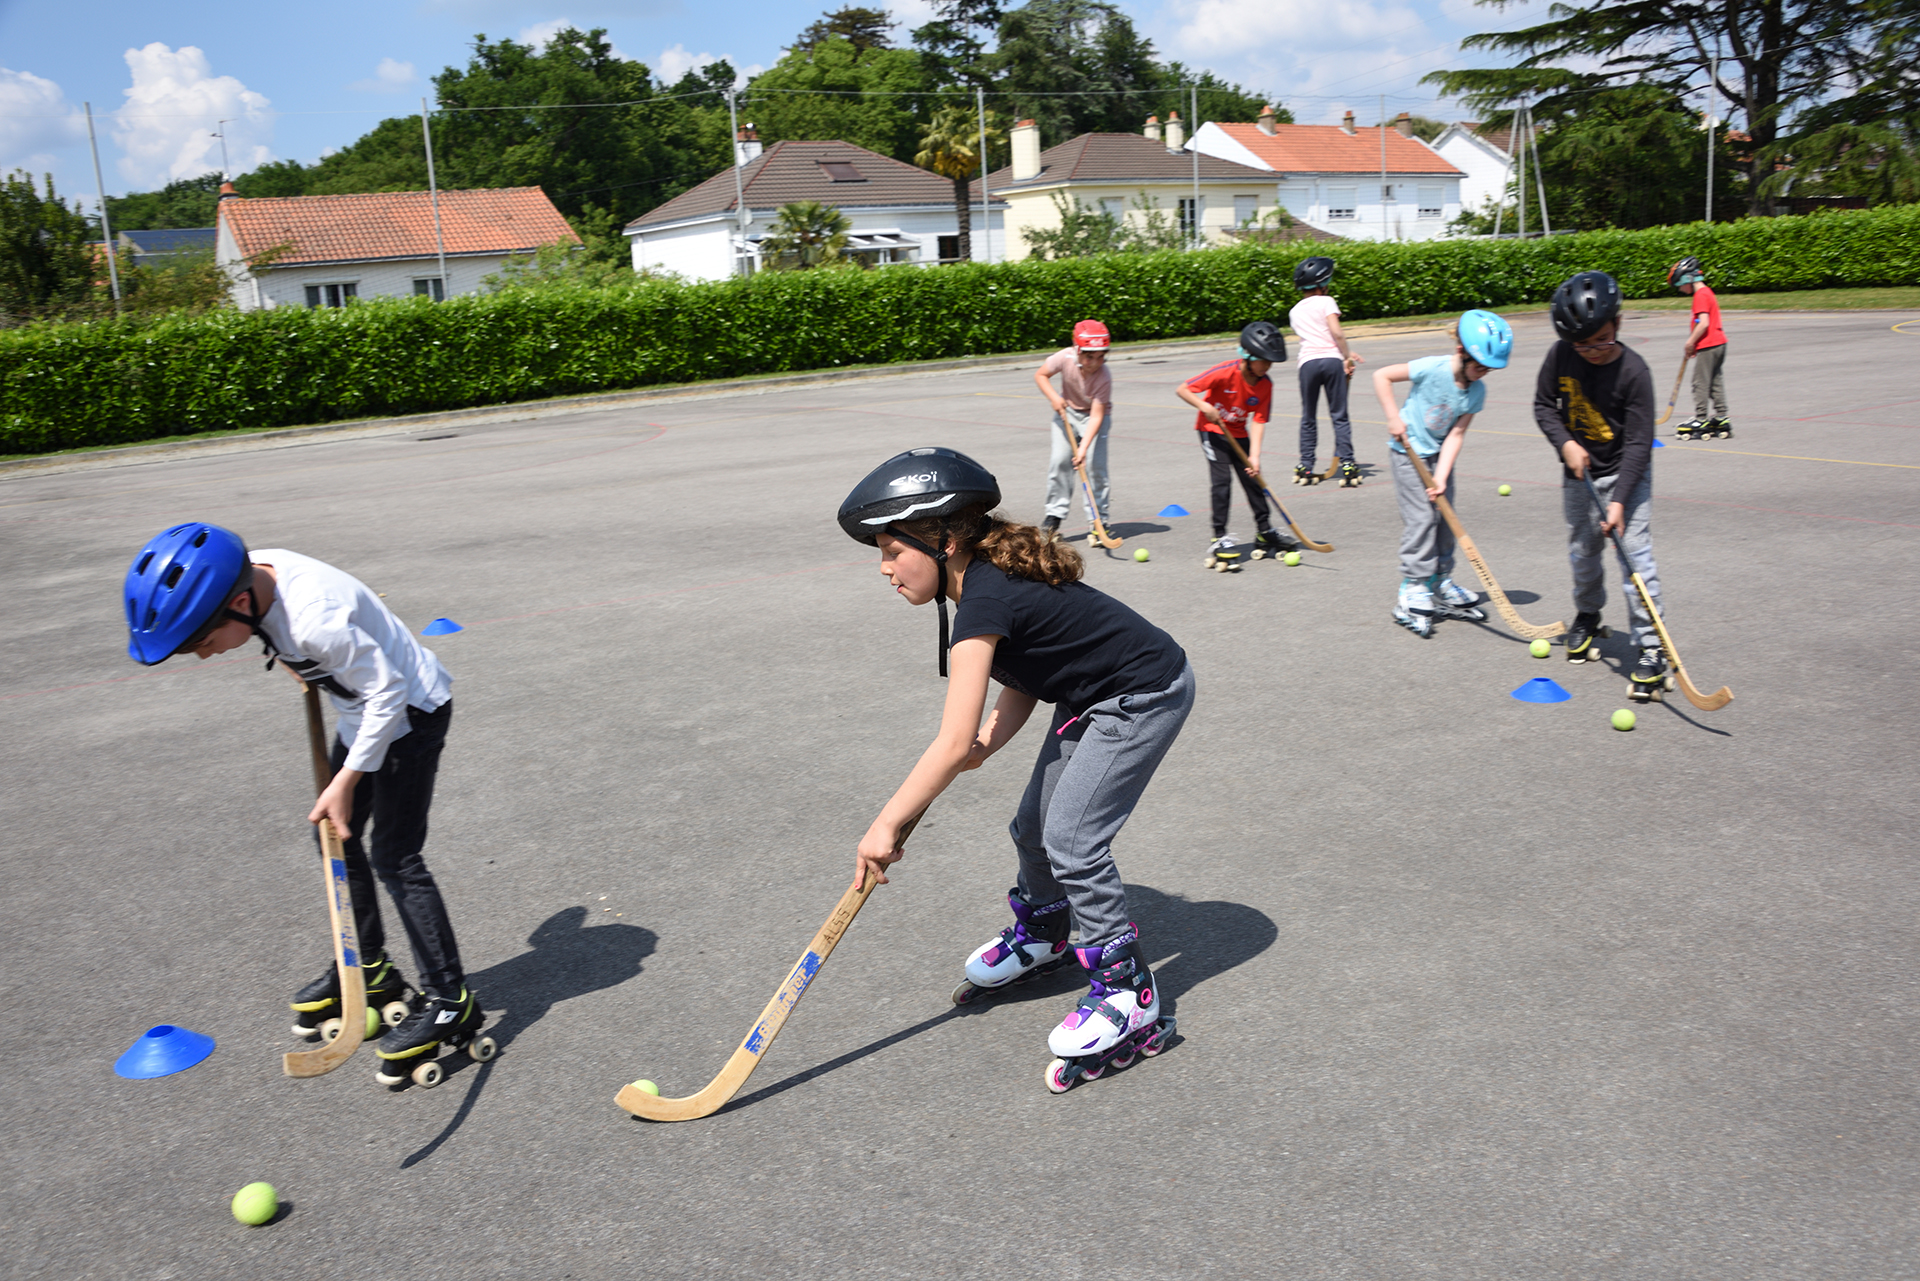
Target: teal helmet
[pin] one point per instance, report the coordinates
(1487, 338)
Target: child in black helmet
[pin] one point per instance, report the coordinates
(1326, 363)
(1121, 690)
(1594, 402)
(1707, 347)
(195, 589)
(1235, 398)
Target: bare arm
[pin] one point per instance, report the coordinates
(1096, 418)
(1449, 450)
(1256, 433)
(1339, 337)
(1195, 399)
(1045, 384)
(1383, 380)
(1698, 332)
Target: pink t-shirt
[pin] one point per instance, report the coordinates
(1309, 322)
(1076, 388)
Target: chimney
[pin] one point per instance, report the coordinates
(1267, 119)
(746, 145)
(1153, 128)
(1346, 125)
(227, 192)
(1026, 150)
(1176, 132)
(1404, 125)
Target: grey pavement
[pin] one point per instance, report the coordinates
(1466, 987)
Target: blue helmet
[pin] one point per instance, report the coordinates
(1487, 338)
(178, 587)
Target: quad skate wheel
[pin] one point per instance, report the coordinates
(394, 1013)
(304, 1032)
(330, 1030)
(429, 1074)
(965, 992)
(483, 1050)
(1060, 1076)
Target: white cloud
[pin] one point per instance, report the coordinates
(912, 13)
(36, 120)
(166, 129)
(391, 76)
(540, 32)
(676, 62)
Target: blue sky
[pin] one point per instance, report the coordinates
(296, 80)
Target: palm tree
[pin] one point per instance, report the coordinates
(805, 234)
(951, 148)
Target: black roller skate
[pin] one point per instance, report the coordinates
(1035, 944)
(1719, 428)
(1051, 528)
(1349, 474)
(413, 1048)
(1225, 555)
(1694, 430)
(316, 1006)
(1304, 474)
(1580, 637)
(1649, 679)
(1117, 1021)
(1451, 600)
(1271, 544)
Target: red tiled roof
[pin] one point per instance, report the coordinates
(394, 224)
(1331, 149)
(796, 170)
(1121, 157)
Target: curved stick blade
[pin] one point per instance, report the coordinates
(346, 957)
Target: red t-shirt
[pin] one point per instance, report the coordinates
(1705, 304)
(1226, 388)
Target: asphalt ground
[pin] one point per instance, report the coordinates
(1466, 987)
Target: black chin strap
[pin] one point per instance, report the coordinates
(939, 591)
(307, 671)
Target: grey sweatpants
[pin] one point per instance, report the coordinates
(1710, 381)
(1586, 549)
(1088, 778)
(1062, 483)
(1426, 541)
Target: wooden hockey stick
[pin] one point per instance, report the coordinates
(1673, 399)
(1099, 534)
(1267, 489)
(745, 1059)
(346, 935)
(1472, 553)
(1705, 702)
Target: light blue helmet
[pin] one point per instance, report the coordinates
(1487, 338)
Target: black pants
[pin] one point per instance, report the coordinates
(1222, 467)
(396, 797)
(1328, 373)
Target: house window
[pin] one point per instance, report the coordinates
(1190, 214)
(332, 295)
(1245, 210)
(1341, 203)
(1431, 200)
(1113, 207)
(949, 249)
(430, 287)
(841, 171)
(1386, 193)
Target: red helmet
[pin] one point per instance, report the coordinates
(1091, 335)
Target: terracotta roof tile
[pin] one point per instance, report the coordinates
(1331, 149)
(790, 171)
(1122, 157)
(394, 224)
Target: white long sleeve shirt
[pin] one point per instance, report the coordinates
(327, 623)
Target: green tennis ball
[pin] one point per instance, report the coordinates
(374, 1026)
(255, 1204)
(1140, 553)
(647, 1087)
(1623, 719)
(1293, 558)
(1506, 491)
(1540, 649)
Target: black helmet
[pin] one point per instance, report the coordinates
(1583, 303)
(1262, 340)
(1686, 272)
(1311, 273)
(914, 486)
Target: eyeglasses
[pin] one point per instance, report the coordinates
(1596, 346)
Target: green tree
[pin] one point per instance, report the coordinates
(864, 29)
(185, 202)
(950, 147)
(873, 98)
(46, 260)
(805, 234)
(1864, 142)
(1085, 231)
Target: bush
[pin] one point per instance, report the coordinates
(68, 385)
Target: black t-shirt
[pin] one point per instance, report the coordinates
(1070, 645)
(1608, 408)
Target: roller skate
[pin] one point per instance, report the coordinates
(413, 1048)
(1271, 544)
(1719, 428)
(1580, 637)
(1414, 609)
(1304, 474)
(1694, 430)
(316, 1006)
(1117, 1020)
(1349, 474)
(1649, 679)
(1225, 555)
(1035, 944)
(1450, 600)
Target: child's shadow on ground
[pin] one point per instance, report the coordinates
(567, 960)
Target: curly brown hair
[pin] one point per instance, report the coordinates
(1024, 551)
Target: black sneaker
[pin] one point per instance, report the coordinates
(319, 1000)
(1649, 676)
(1051, 527)
(1580, 637)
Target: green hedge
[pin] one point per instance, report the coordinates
(68, 385)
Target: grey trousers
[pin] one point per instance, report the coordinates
(1061, 481)
(1088, 778)
(1586, 549)
(1710, 381)
(1426, 543)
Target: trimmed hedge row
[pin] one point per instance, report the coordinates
(63, 386)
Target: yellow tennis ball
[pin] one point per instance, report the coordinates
(1140, 553)
(1540, 648)
(1506, 490)
(647, 1087)
(255, 1204)
(1293, 558)
(1623, 719)
(374, 1026)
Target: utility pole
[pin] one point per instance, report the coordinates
(1519, 137)
(1539, 174)
(1193, 124)
(433, 188)
(986, 197)
(1713, 77)
(226, 173)
(1384, 229)
(742, 216)
(106, 225)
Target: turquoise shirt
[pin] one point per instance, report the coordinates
(1436, 403)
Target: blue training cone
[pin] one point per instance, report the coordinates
(162, 1051)
(441, 627)
(1541, 689)
(1659, 444)
(1174, 509)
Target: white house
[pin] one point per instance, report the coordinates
(1360, 184)
(1484, 156)
(321, 251)
(898, 213)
